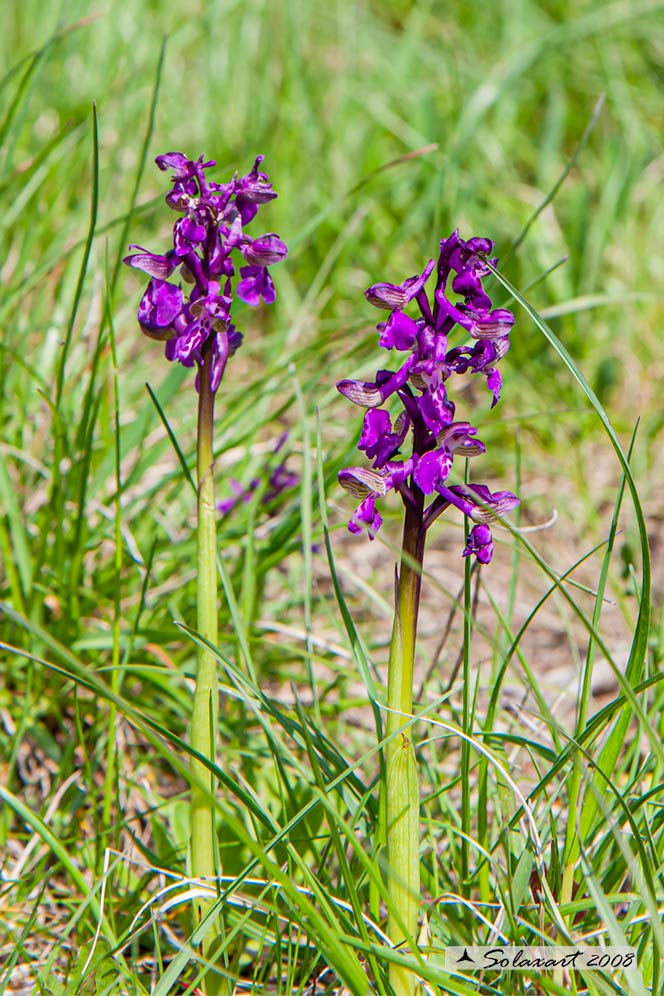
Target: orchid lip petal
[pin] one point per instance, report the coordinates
(480, 543)
(432, 469)
(366, 517)
(398, 332)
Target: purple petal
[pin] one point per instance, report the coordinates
(178, 162)
(248, 210)
(468, 283)
(252, 190)
(398, 332)
(480, 543)
(187, 235)
(378, 440)
(220, 351)
(256, 283)
(494, 383)
(386, 296)
(360, 392)
(432, 469)
(234, 340)
(479, 246)
(360, 482)
(265, 251)
(365, 517)
(255, 187)
(151, 263)
(482, 505)
(377, 424)
(227, 504)
(398, 471)
(390, 296)
(492, 324)
(413, 285)
(457, 437)
(435, 407)
(159, 307)
(185, 346)
(388, 382)
(451, 311)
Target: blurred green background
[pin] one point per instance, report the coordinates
(332, 93)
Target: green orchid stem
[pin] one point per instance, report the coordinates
(204, 857)
(402, 799)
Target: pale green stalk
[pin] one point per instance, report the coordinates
(204, 860)
(402, 800)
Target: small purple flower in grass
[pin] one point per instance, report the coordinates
(240, 494)
(279, 480)
(211, 229)
(458, 303)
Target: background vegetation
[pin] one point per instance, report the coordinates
(384, 125)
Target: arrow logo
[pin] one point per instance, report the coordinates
(465, 957)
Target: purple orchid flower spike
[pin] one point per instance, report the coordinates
(198, 323)
(192, 314)
(411, 450)
(459, 302)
